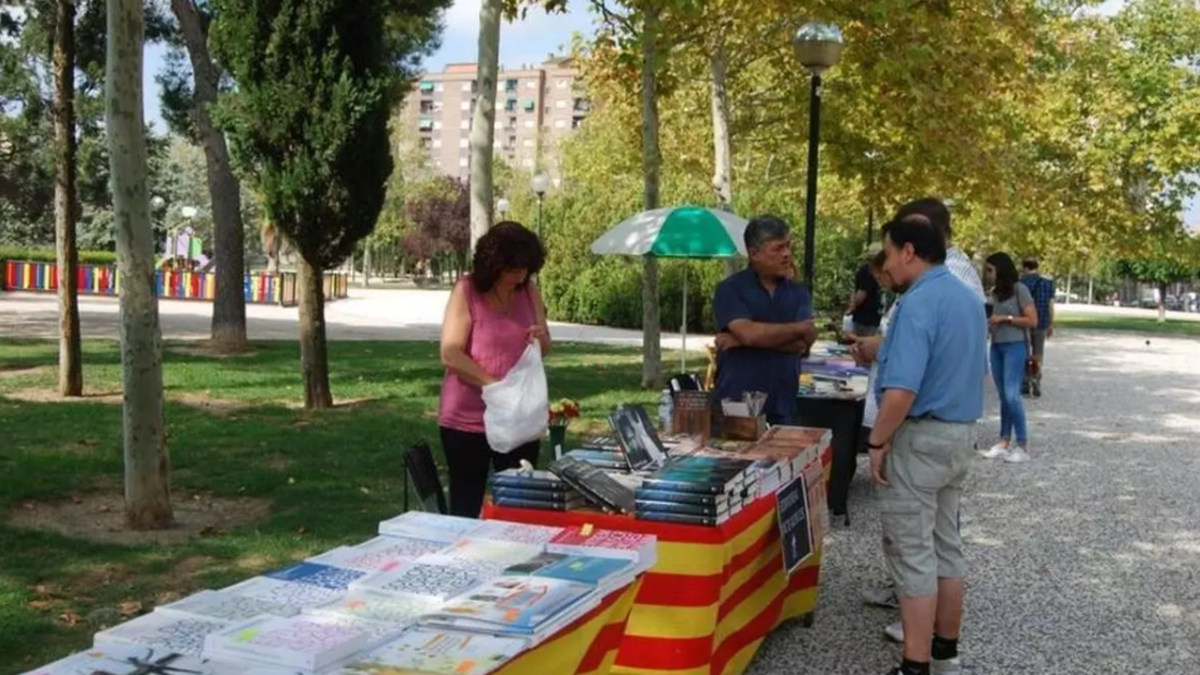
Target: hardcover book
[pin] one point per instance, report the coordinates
(541, 505)
(529, 480)
(162, 631)
(649, 494)
(596, 486)
(422, 650)
(562, 496)
(644, 506)
(682, 518)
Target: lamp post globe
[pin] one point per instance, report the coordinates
(818, 48)
(539, 184)
(157, 202)
(502, 207)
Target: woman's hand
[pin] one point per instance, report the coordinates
(996, 320)
(539, 333)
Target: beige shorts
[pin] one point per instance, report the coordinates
(919, 509)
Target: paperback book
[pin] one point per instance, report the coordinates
(502, 553)
(396, 609)
(561, 496)
(133, 660)
(423, 650)
(716, 501)
(640, 548)
(380, 553)
(537, 504)
(602, 459)
(227, 606)
(286, 593)
(644, 506)
(603, 574)
(682, 518)
(315, 574)
(432, 581)
(306, 642)
(529, 480)
(519, 533)
(162, 631)
(637, 437)
(533, 565)
(433, 526)
(518, 605)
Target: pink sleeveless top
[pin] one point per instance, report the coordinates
(496, 343)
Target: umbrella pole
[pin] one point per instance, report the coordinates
(683, 353)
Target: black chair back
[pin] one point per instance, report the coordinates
(423, 477)
(685, 382)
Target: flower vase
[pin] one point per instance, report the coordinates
(558, 438)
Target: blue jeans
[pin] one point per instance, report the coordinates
(1008, 371)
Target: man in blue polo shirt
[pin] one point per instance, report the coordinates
(765, 323)
(930, 393)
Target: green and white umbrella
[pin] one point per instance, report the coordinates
(693, 232)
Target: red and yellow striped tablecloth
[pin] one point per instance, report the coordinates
(586, 647)
(713, 596)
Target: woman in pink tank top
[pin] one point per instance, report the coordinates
(493, 314)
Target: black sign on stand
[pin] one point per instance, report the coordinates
(795, 529)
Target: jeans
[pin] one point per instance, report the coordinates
(1008, 371)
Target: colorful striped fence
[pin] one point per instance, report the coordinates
(259, 288)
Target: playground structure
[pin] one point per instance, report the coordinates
(184, 251)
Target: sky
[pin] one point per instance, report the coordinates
(525, 41)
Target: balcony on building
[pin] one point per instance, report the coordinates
(426, 87)
(425, 123)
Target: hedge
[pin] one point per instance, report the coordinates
(48, 255)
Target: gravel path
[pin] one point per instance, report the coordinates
(1084, 561)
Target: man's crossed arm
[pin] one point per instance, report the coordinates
(794, 337)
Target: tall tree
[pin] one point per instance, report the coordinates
(147, 465)
(229, 240)
(70, 354)
(316, 81)
(483, 131)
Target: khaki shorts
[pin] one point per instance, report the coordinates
(919, 510)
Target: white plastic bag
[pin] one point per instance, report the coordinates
(517, 408)
(848, 323)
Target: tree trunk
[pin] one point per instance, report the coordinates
(483, 130)
(651, 164)
(1162, 303)
(314, 361)
(147, 464)
(722, 150)
(229, 244)
(367, 264)
(70, 358)
(1091, 286)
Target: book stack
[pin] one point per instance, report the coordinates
(701, 488)
(534, 490)
(534, 607)
(133, 660)
(433, 526)
(640, 549)
(380, 553)
(606, 459)
(162, 631)
(433, 651)
(307, 643)
(597, 487)
(395, 609)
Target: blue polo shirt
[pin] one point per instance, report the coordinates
(935, 348)
(743, 369)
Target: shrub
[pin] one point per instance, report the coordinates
(48, 255)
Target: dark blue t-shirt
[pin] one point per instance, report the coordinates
(744, 369)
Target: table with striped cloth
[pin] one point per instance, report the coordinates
(714, 594)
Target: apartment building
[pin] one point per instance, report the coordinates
(536, 107)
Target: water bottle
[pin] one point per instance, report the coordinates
(665, 410)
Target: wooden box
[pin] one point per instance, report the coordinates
(692, 414)
(744, 428)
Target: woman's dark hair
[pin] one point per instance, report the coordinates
(1005, 283)
(878, 260)
(507, 246)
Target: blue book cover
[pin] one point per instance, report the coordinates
(584, 569)
(316, 574)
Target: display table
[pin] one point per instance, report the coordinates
(711, 598)
(587, 647)
(841, 413)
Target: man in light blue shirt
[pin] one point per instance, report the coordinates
(930, 371)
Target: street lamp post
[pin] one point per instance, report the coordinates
(871, 156)
(502, 207)
(818, 47)
(539, 184)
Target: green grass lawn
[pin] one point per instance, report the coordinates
(235, 429)
(1128, 324)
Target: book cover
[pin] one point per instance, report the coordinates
(315, 574)
(286, 593)
(537, 495)
(595, 485)
(423, 525)
(640, 443)
(513, 604)
(603, 459)
(382, 552)
(162, 631)
(423, 650)
(529, 480)
(642, 548)
(396, 609)
(534, 564)
(682, 518)
(432, 580)
(588, 570)
(133, 660)
(307, 642)
(227, 606)
(649, 494)
(677, 507)
(541, 505)
(517, 533)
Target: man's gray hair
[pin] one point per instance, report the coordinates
(763, 229)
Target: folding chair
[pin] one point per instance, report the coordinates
(423, 477)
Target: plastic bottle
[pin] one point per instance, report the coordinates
(666, 409)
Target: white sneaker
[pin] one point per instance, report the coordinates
(997, 451)
(895, 632)
(1017, 456)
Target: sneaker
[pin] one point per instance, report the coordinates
(895, 632)
(997, 451)
(1017, 456)
(881, 596)
(945, 667)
